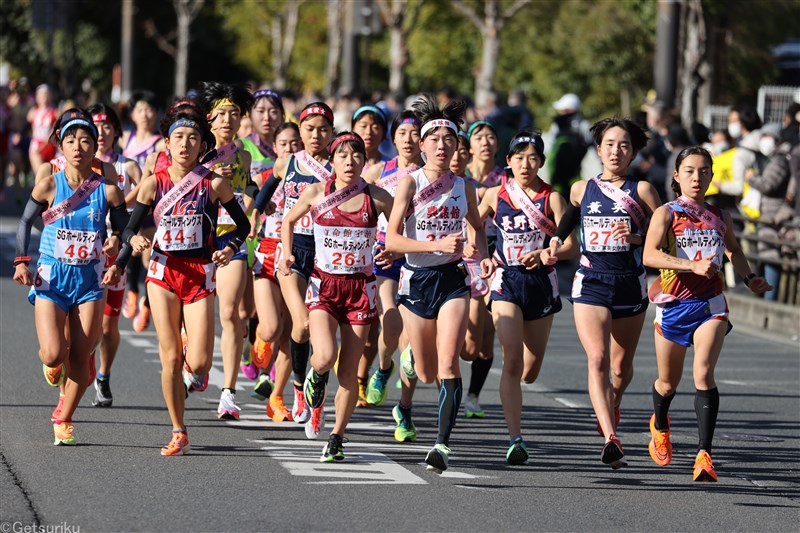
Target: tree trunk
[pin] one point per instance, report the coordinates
(278, 68)
(485, 79)
(334, 47)
(398, 58)
(694, 57)
(186, 10)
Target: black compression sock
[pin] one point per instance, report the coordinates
(299, 352)
(251, 330)
(480, 370)
(706, 406)
(449, 402)
(661, 409)
(134, 272)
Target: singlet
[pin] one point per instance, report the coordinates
(388, 169)
(239, 181)
(515, 234)
(343, 240)
(295, 182)
(138, 154)
(77, 238)
(259, 161)
(123, 182)
(690, 238)
(187, 229)
(496, 177)
(441, 216)
(261, 165)
(599, 249)
(42, 125)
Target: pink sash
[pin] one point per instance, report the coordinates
(436, 188)
(222, 154)
(387, 182)
(701, 213)
(536, 217)
(263, 147)
(67, 206)
(137, 149)
(494, 178)
(318, 170)
(621, 197)
(655, 295)
(337, 198)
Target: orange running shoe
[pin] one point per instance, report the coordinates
(660, 447)
(142, 319)
(704, 468)
(179, 444)
(54, 375)
(362, 393)
(277, 411)
(64, 433)
(129, 307)
(56, 415)
(261, 353)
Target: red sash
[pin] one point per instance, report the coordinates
(621, 197)
(535, 216)
(337, 198)
(69, 205)
(436, 188)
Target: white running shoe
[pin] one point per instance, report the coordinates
(228, 410)
(300, 411)
(316, 423)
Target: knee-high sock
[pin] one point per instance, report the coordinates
(299, 352)
(449, 402)
(480, 370)
(661, 409)
(706, 406)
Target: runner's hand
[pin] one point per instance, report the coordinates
(222, 257)
(285, 265)
(531, 259)
(22, 275)
(254, 218)
(383, 258)
(705, 267)
(111, 276)
(487, 268)
(471, 251)
(139, 244)
(451, 244)
(759, 285)
(621, 231)
(111, 246)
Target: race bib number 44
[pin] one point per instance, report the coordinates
(597, 234)
(180, 233)
(75, 247)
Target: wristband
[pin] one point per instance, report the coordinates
(22, 259)
(232, 246)
(557, 239)
(748, 278)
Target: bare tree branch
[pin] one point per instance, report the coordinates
(513, 8)
(386, 14)
(468, 12)
(412, 16)
(162, 41)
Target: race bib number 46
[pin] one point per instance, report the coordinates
(597, 234)
(75, 247)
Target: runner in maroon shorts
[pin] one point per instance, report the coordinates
(341, 291)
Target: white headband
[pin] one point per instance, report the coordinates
(438, 123)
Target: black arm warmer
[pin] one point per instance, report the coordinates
(266, 192)
(33, 210)
(242, 224)
(119, 218)
(568, 222)
(134, 225)
(251, 189)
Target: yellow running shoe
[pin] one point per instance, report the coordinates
(179, 444)
(362, 393)
(704, 468)
(54, 375)
(64, 434)
(660, 447)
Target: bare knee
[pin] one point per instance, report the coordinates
(598, 363)
(666, 388)
(513, 368)
(300, 331)
(268, 331)
(52, 355)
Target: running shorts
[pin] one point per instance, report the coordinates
(624, 294)
(189, 278)
(66, 285)
(264, 265)
(535, 291)
(424, 290)
(350, 299)
(677, 321)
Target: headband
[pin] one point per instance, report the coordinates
(181, 103)
(414, 121)
(183, 123)
(267, 92)
(478, 124)
(535, 140)
(370, 109)
(317, 109)
(438, 123)
(99, 117)
(77, 122)
(224, 101)
(344, 138)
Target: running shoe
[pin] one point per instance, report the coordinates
(407, 363)
(517, 453)
(179, 444)
(263, 388)
(142, 319)
(616, 421)
(277, 410)
(398, 384)
(227, 409)
(55, 376)
(64, 434)
(437, 458)
(378, 386)
(248, 368)
(704, 468)
(102, 397)
(333, 451)
(56, 415)
(315, 389)
(473, 409)
(194, 382)
(300, 411)
(613, 454)
(316, 423)
(660, 447)
(261, 353)
(362, 393)
(405, 431)
(129, 307)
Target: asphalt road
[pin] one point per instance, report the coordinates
(257, 475)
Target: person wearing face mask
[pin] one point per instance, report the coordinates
(570, 143)
(743, 125)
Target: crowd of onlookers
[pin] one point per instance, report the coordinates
(756, 165)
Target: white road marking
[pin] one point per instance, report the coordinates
(571, 403)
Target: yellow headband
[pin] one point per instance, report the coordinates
(222, 102)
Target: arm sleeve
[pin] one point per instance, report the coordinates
(266, 192)
(33, 210)
(251, 189)
(568, 222)
(242, 223)
(119, 218)
(133, 227)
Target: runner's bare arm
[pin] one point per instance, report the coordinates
(396, 242)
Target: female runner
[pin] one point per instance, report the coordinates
(609, 292)
(686, 240)
(181, 277)
(66, 289)
(342, 293)
(432, 204)
(226, 104)
(525, 294)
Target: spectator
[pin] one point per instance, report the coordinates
(41, 117)
(677, 139)
(570, 143)
(743, 124)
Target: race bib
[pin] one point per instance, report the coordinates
(178, 233)
(597, 234)
(224, 218)
(696, 245)
(312, 292)
(516, 245)
(42, 280)
(75, 247)
(211, 276)
(304, 226)
(155, 269)
(345, 250)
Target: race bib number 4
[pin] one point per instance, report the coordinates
(177, 233)
(696, 245)
(597, 234)
(75, 247)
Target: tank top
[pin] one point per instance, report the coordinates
(515, 234)
(599, 249)
(295, 182)
(388, 169)
(441, 216)
(186, 229)
(138, 154)
(261, 165)
(259, 162)
(690, 238)
(239, 181)
(76, 238)
(42, 124)
(343, 240)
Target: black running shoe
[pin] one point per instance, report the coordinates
(102, 397)
(333, 450)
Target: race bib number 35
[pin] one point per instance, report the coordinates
(597, 234)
